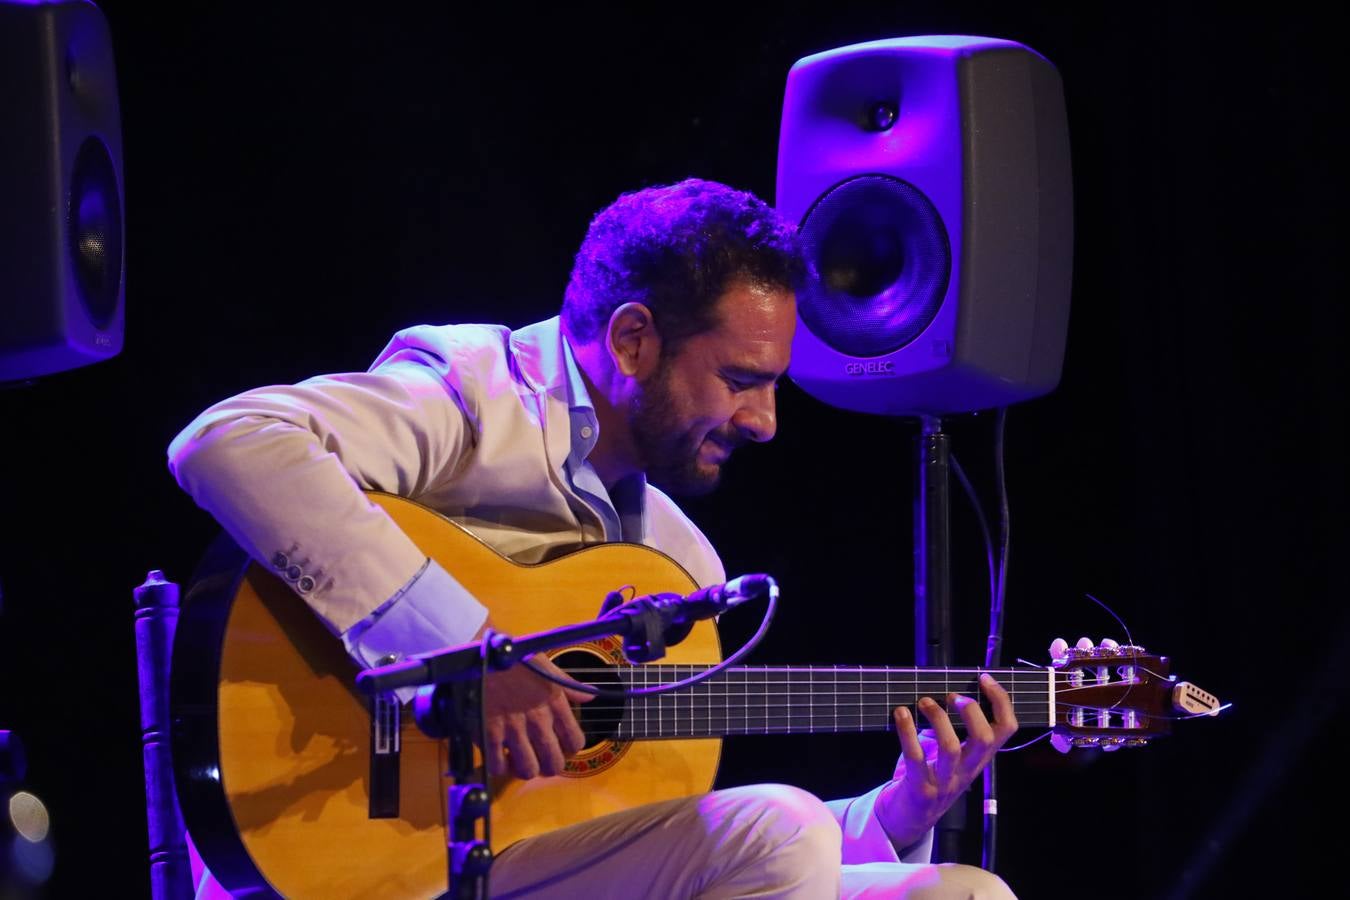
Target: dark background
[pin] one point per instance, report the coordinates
(303, 180)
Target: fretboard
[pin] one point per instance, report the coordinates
(808, 699)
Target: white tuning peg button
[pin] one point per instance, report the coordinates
(1084, 643)
(1059, 649)
(1108, 644)
(1060, 742)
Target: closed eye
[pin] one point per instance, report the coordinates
(739, 379)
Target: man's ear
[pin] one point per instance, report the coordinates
(633, 342)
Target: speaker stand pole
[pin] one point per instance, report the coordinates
(933, 588)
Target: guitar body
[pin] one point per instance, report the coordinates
(292, 783)
(272, 743)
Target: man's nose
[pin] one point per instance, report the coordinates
(757, 420)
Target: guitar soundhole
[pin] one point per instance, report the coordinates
(600, 717)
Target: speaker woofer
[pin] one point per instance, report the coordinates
(882, 260)
(95, 230)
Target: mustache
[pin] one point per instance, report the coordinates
(728, 441)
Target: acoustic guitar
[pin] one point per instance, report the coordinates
(291, 782)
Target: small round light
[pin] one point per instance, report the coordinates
(29, 816)
(882, 115)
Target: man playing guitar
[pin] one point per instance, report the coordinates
(676, 325)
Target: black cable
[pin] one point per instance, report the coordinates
(674, 685)
(997, 560)
(984, 527)
(994, 646)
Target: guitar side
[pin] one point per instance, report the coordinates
(272, 742)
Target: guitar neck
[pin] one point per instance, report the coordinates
(810, 699)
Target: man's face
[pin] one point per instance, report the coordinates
(716, 391)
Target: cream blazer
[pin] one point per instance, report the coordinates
(470, 420)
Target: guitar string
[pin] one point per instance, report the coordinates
(658, 667)
(813, 670)
(768, 677)
(820, 675)
(827, 696)
(719, 688)
(715, 730)
(875, 720)
(877, 712)
(823, 713)
(769, 698)
(886, 702)
(860, 710)
(753, 716)
(822, 684)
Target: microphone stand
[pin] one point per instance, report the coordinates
(449, 701)
(933, 586)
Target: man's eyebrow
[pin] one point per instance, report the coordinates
(747, 373)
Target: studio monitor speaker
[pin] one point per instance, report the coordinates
(61, 217)
(930, 177)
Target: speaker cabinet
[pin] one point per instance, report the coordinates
(61, 218)
(931, 180)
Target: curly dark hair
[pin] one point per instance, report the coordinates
(677, 248)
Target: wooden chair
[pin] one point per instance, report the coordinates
(156, 619)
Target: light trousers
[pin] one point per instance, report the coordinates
(769, 842)
(765, 841)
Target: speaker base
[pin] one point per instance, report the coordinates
(34, 362)
(938, 392)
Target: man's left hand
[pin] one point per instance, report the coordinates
(926, 784)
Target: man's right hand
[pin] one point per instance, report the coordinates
(530, 726)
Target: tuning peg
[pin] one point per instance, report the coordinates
(1059, 650)
(1111, 744)
(1061, 742)
(1080, 650)
(1108, 644)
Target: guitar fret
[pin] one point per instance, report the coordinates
(834, 696)
(811, 706)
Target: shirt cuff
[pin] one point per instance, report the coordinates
(431, 611)
(865, 841)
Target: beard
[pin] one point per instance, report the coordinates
(670, 452)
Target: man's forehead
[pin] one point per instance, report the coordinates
(755, 327)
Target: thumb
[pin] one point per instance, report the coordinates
(577, 696)
(550, 667)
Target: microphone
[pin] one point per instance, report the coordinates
(660, 620)
(718, 598)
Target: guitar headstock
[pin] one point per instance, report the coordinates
(1110, 695)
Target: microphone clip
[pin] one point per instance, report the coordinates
(652, 624)
(656, 621)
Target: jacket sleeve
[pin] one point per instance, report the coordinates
(866, 841)
(282, 470)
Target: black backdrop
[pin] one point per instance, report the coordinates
(303, 180)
